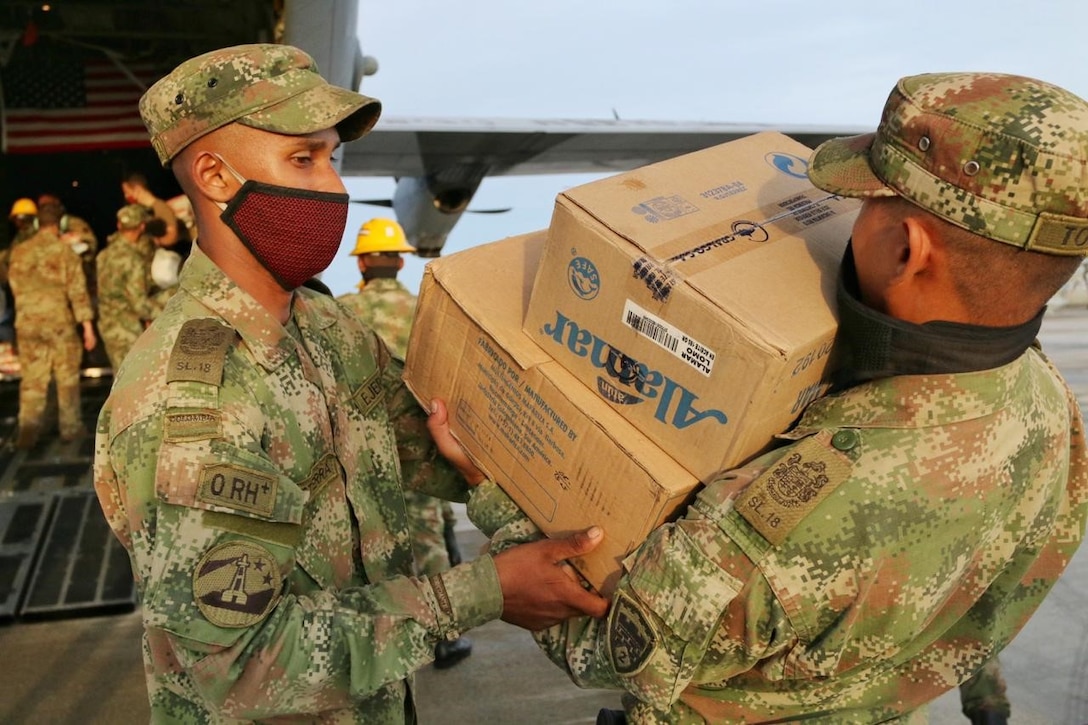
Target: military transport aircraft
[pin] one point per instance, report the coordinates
(74, 69)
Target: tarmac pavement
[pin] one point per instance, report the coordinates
(88, 670)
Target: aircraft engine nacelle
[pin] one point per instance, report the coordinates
(429, 214)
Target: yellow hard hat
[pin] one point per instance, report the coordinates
(23, 207)
(381, 235)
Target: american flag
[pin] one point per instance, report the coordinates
(74, 103)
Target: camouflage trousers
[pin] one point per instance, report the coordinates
(46, 355)
(985, 691)
(427, 518)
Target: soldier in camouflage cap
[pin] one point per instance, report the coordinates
(910, 523)
(124, 284)
(254, 450)
(272, 87)
(131, 216)
(1002, 156)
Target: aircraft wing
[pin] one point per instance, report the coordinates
(418, 147)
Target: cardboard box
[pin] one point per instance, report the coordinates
(565, 457)
(696, 295)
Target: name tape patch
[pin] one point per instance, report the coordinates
(369, 394)
(238, 488)
(325, 470)
(192, 425)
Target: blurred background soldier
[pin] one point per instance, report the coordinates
(135, 190)
(23, 215)
(24, 218)
(51, 293)
(76, 232)
(387, 307)
(124, 287)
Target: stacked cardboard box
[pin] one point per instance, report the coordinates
(667, 325)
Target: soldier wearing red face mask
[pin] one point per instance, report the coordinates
(253, 453)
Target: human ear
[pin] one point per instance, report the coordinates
(916, 250)
(210, 178)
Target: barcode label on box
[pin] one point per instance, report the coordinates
(648, 325)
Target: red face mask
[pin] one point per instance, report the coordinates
(293, 233)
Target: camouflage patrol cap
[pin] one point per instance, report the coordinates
(267, 86)
(131, 216)
(1003, 156)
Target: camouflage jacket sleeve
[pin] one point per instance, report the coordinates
(666, 611)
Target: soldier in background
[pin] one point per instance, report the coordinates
(74, 231)
(51, 294)
(135, 189)
(387, 307)
(123, 271)
(24, 218)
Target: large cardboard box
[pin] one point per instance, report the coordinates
(562, 453)
(696, 295)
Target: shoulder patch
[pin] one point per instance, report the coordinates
(192, 425)
(631, 638)
(200, 351)
(237, 487)
(786, 493)
(236, 584)
(369, 394)
(326, 469)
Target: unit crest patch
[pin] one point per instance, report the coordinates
(631, 638)
(200, 351)
(779, 499)
(236, 584)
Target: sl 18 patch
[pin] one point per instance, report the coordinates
(236, 584)
(200, 351)
(785, 494)
(631, 638)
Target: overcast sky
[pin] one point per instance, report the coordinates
(769, 61)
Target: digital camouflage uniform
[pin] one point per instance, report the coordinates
(915, 519)
(254, 472)
(944, 507)
(387, 307)
(51, 298)
(124, 288)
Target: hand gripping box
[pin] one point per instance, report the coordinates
(695, 296)
(564, 455)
